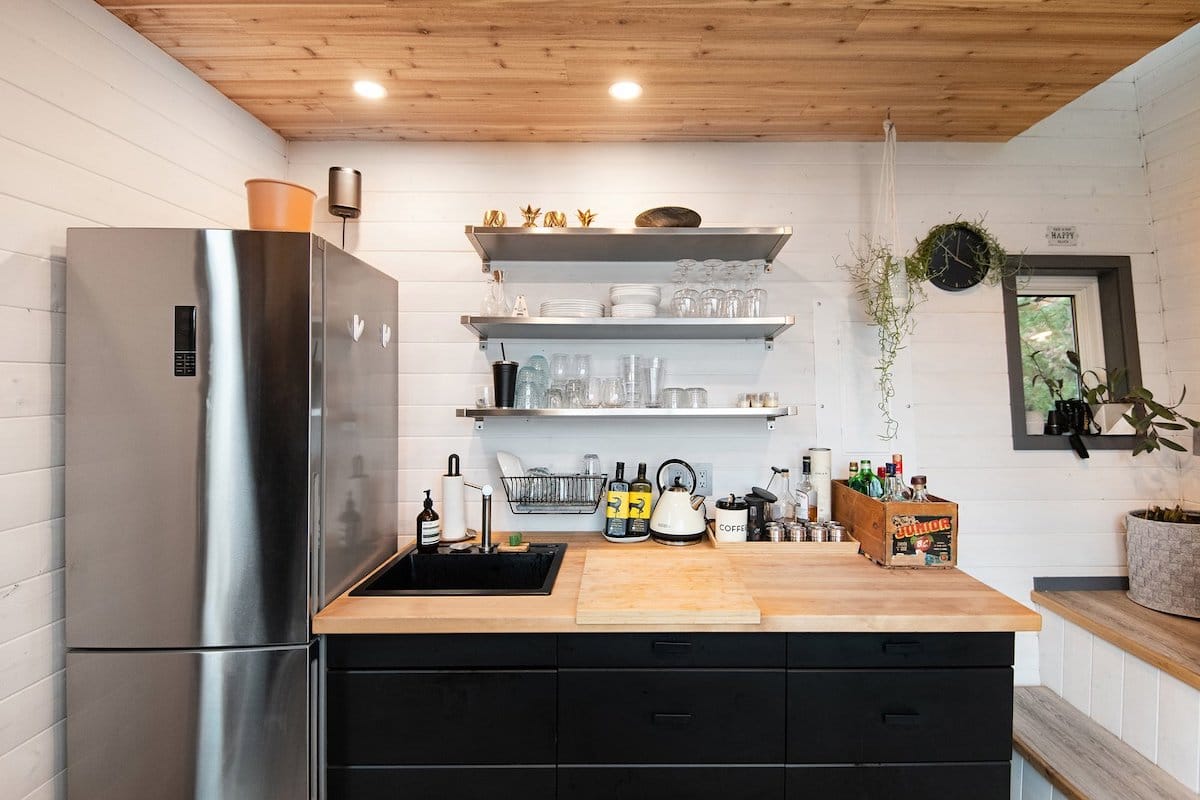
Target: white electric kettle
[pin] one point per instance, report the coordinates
(678, 517)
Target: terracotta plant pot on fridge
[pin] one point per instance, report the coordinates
(280, 205)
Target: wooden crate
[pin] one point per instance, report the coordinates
(900, 534)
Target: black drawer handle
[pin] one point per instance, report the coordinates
(673, 720)
(902, 648)
(902, 720)
(673, 648)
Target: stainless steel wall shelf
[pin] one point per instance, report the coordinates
(501, 248)
(766, 329)
(769, 415)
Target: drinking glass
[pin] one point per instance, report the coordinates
(484, 397)
(560, 369)
(591, 465)
(656, 374)
(674, 397)
(554, 397)
(754, 301)
(731, 301)
(527, 396)
(697, 397)
(593, 392)
(612, 394)
(581, 366)
(573, 395)
(542, 366)
(686, 300)
(711, 297)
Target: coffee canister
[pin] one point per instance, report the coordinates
(732, 519)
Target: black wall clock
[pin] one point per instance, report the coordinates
(958, 259)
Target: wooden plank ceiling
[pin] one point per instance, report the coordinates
(713, 70)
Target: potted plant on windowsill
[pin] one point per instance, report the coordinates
(1149, 420)
(1109, 413)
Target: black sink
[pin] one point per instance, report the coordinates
(467, 573)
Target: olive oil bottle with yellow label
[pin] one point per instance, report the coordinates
(641, 502)
(616, 511)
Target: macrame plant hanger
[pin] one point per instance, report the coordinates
(892, 284)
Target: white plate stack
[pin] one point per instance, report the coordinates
(572, 308)
(635, 300)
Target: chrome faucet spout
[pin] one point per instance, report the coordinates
(485, 521)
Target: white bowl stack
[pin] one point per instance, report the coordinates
(572, 308)
(635, 300)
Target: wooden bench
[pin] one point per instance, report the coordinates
(1079, 757)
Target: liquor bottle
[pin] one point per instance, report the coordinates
(892, 490)
(806, 493)
(616, 513)
(429, 527)
(919, 492)
(881, 474)
(898, 460)
(641, 498)
(868, 483)
(855, 481)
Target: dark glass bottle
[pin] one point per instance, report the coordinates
(429, 527)
(616, 511)
(641, 499)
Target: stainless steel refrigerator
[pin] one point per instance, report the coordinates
(230, 468)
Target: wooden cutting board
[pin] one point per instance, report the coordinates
(662, 588)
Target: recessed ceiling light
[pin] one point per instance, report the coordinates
(625, 90)
(370, 90)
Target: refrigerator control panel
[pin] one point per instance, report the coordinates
(185, 341)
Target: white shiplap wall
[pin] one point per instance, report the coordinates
(1023, 513)
(98, 127)
(1168, 91)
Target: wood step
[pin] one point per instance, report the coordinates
(1079, 757)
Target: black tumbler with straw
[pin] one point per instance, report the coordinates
(504, 377)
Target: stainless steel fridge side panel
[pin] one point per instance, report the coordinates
(187, 498)
(361, 425)
(228, 724)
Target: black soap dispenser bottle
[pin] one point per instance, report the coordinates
(429, 527)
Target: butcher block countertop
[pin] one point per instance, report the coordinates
(794, 593)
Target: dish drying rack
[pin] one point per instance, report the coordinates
(555, 494)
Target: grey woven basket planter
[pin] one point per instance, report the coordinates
(1164, 565)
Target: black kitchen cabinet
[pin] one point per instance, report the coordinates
(669, 715)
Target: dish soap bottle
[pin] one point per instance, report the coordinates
(616, 511)
(429, 527)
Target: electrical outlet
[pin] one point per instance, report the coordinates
(704, 479)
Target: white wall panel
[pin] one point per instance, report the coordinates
(99, 128)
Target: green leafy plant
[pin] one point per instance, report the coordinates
(1176, 514)
(1148, 417)
(890, 292)
(1041, 374)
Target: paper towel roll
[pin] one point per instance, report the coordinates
(454, 515)
(822, 478)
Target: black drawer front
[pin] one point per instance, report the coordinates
(423, 651)
(671, 650)
(899, 650)
(899, 716)
(670, 717)
(445, 717)
(425, 783)
(909, 782)
(670, 783)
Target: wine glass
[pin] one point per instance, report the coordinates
(731, 302)
(754, 301)
(686, 300)
(711, 297)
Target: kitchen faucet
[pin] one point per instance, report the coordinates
(485, 522)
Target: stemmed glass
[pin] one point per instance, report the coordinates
(686, 300)
(754, 302)
(731, 303)
(711, 297)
